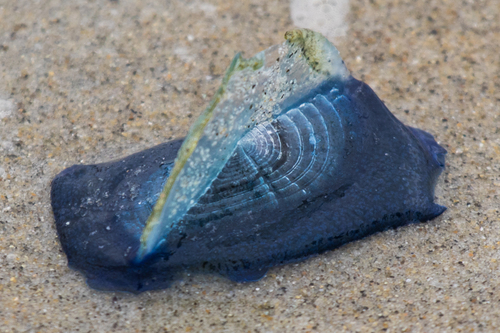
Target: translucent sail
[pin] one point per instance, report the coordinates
(253, 91)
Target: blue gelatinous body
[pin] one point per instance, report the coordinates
(333, 168)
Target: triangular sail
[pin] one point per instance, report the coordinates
(253, 91)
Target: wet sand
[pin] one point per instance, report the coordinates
(90, 81)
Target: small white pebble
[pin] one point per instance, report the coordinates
(6, 108)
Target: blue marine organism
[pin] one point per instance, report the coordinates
(293, 157)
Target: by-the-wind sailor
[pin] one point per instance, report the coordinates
(292, 157)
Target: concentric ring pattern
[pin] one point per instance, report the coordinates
(277, 160)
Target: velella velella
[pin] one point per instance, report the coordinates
(292, 157)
